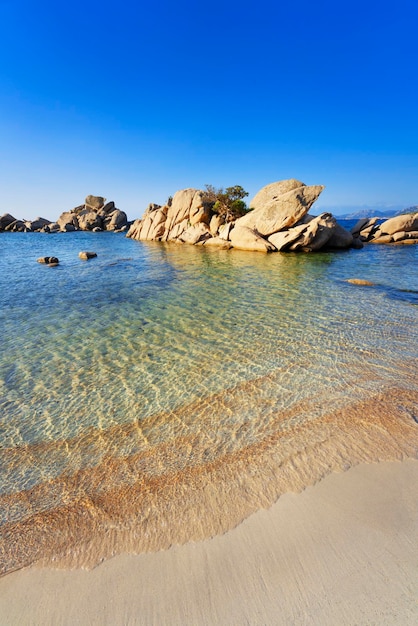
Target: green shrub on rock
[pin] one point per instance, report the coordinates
(227, 203)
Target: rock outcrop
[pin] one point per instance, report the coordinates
(171, 221)
(278, 220)
(93, 215)
(402, 229)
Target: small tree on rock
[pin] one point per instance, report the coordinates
(227, 203)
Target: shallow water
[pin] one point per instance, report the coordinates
(142, 390)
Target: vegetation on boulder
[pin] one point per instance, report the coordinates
(227, 203)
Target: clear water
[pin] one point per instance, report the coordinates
(94, 353)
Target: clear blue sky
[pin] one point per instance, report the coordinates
(135, 100)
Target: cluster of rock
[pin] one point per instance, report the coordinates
(53, 261)
(399, 229)
(95, 214)
(278, 221)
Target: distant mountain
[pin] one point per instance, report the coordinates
(387, 213)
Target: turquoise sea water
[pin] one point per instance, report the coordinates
(145, 329)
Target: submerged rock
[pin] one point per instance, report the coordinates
(360, 281)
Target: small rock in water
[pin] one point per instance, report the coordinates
(360, 281)
(87, 255)
(48, 260)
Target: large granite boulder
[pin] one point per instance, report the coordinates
(341, 238)
(187, 206)
(282, 211)
(94, 202)
(285, 238)
(225, 230)
(245, 238)
(273, 191)
(109, 207)
(38, 223)
(115, 220)
(195, 234)
(52, 228)
(152, 225)
(365, 228)
(316, 234)
(134, 230)
(400, 223)
(18, 226)
(5, 220)
(215, 222)
(168, 223)
(87, 220)
(218, 242)
(68, 218)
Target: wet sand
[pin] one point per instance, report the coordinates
(343, 551)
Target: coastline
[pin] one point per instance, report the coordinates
(341, 551)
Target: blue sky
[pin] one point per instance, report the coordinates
(136, 100)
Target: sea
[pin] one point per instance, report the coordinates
(161, 393)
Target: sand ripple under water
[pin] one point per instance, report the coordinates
(178, 482)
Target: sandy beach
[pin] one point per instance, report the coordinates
(343, 551)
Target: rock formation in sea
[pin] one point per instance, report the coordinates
(95, 214)
(402, 229)
(278, 221)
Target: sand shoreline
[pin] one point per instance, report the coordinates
(342, 551)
